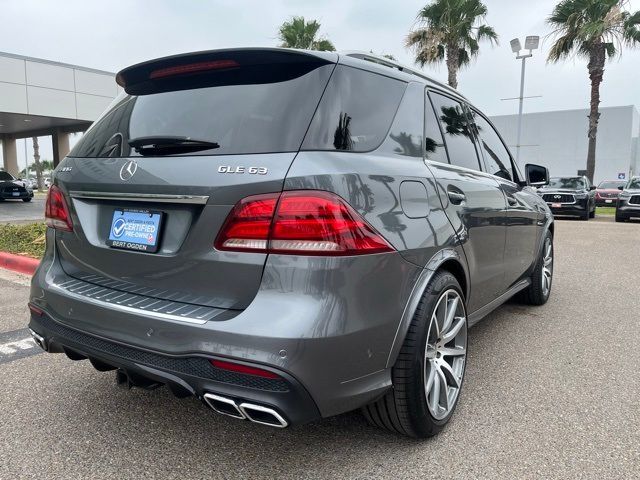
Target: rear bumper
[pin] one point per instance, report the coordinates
(184, 375)
(327, 325)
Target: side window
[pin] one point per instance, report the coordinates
(433, 141)
(457, 131)
(405, 136)
(355, 112)
(496, 155)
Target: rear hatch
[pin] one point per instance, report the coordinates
(189, 138)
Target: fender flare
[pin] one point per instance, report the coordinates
(432, 266)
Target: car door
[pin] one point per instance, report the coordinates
(472, 199)
(521, 215)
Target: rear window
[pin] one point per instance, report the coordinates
(356, 111)
(241, 118)
(5, 177)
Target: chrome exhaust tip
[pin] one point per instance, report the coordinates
(263, 415)
(39, 340)
(224, 406)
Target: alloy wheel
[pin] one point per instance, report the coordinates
(445, 354)
(547, 267)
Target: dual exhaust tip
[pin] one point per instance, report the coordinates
(245, 411)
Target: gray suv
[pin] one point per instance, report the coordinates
(288, 235)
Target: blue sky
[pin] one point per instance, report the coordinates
(110, 35)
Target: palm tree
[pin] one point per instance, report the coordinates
(298, 33)
(449, 30)
(36, 161)
(595, 30)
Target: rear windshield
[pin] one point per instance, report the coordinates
(568, 182)
(5, 177)
(610, 185)
(239, 118)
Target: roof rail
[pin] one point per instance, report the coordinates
(370, 57)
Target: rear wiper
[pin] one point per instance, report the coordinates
(168, 145)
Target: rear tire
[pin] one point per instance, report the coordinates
(542, 277)
(429, 372)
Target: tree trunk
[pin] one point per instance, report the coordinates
(596, 72)
(36, 161)
(453, 56)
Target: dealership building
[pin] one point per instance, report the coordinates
(558, 140)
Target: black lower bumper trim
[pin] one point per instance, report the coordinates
(193, 374)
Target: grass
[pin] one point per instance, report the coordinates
(605, 210)
(26, 239)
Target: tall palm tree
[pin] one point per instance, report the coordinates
(298, 33)
(595, 30)
(37, 164)
(450, 30)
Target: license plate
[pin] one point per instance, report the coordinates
(608, 201)
(556, 205)
(15, 194)
(135, 230)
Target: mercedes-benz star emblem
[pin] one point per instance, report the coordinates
(128, 170)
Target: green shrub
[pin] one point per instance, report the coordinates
(26, 239)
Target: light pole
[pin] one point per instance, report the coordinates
(530, 43)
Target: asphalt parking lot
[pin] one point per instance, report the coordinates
(550, 392)
(12, 211)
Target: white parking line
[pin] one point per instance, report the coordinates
(16, 345)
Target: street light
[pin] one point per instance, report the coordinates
(530, 43)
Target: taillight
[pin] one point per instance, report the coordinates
(56, 211)
(193, 68)
(299, 222)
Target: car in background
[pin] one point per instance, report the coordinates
(47, 182)
(13, 189)
(629, 201)
(570, 196)
(607, 192)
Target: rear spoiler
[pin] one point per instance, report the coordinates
(220, 67)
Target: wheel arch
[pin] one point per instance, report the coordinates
(450, 259)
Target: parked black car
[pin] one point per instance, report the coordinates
(574, 196)
(11, 190)
(629, 201)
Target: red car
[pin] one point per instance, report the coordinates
(607, 192)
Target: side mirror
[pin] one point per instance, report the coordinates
(592, 187)
(536, 175)
(621, 187)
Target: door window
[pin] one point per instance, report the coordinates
(496, 155)
(458, 137)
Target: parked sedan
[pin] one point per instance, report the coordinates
(12, 189)
(629, 201)
(608, 191)
(571, 196)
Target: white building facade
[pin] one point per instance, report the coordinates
(558, 140)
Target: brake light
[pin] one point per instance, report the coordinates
(193, 68)
(56, 211)
(240, 368)
(299, 222)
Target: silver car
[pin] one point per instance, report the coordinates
(288, 235)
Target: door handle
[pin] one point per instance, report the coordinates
(457, 198)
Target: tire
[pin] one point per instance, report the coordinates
(537, 293)
(592, 214)
(26, 199)
(404, 409)
(586, 215)
(620, 218)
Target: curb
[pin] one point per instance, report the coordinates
(18, 263)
